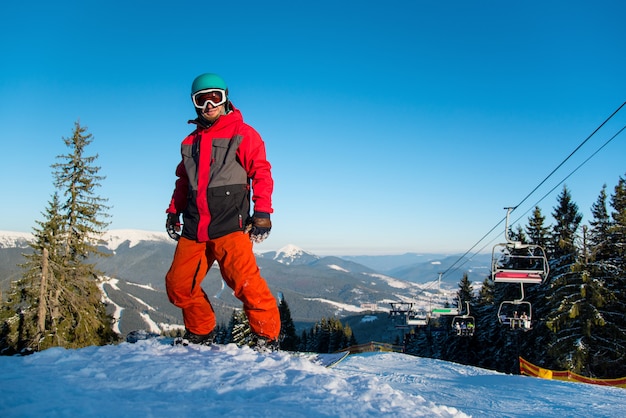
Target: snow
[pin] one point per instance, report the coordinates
(336, 267)
(341, 306)
(289, 251)
(115, 238)
(14, 239)
(152, 378)
(398, 284)
(117, 309)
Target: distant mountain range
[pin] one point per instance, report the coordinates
(351, 288)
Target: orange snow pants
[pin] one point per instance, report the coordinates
(233, 253)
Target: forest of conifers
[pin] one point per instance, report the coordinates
(578, 310)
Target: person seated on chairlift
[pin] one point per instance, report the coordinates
(515, 320)
(525, 320)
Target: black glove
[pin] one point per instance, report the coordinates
(172, 226)
(259, 227)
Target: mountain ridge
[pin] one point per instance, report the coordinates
(314, 286)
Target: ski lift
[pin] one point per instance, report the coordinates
(418, 318)
(515, 262)
(517, 314)
(464, 325)
(406, 315)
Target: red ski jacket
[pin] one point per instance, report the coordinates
(219, 164)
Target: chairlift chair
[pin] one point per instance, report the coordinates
(517, 314)
(417, 318)
(407, 316)
(515, 262)
(464, 325)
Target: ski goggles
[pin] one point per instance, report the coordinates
(215, 97)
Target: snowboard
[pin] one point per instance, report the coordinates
(327, 360)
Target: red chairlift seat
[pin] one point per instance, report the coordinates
(518, 276)
(517, 262)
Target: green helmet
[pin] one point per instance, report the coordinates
(208, 81)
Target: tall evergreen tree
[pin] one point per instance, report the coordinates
(579, 320)
(83, 210)
(580, 317)
(239, 328)
(518, 234)
(538, 233)
(613, 270)
(563, 249)
(289, 338)
(600, 225)
(486, 292)
(58, 302)
(617, 232)
(465, 292)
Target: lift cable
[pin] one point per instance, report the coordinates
(450, 269)
(535, 205)
(569, 156)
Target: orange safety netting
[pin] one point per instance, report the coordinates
(530, 369)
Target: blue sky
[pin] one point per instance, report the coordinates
(392, 127)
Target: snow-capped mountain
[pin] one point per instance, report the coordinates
(291, 255)
(114, 238)
(314, 286)
(14, 239)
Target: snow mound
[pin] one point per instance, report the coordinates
(153, 378)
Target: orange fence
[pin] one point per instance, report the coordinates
(530, 369)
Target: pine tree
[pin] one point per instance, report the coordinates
(83, 210)
(57, 302)
(40, 280)
(352, 341)
(562, 246)
(322, 336)
(518, 235)
(465, 292)
(617, 232)
(579, 320)
(585, 337)
(289, 339)
(327, 336)
(598, 237)
(538, 234)
(486, 292)
(612, 272)
(304, 341)
(239, 328)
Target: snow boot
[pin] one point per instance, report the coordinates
(191, 338)
(262, 344)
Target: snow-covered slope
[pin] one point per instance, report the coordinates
(152, 379)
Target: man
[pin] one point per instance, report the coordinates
(221, 159)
